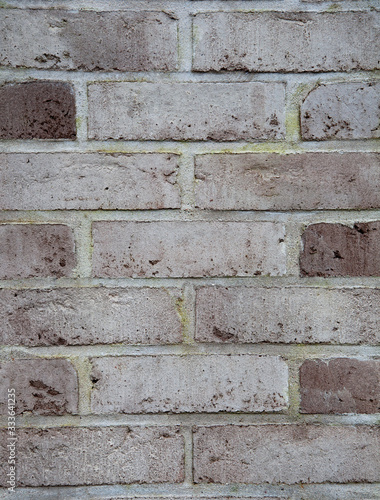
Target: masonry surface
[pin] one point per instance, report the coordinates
(190, 249)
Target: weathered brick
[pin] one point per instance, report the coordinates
(286, 41)
(176, 384)
(42, 386)
(90, 41)
(338, 250)
(186, 111)
(82, 316)
(37, 110)
(286, 454)
(182, 249)
(91, 456)
(36, 250)
(341, 385)
(311, 181)
(287, 315)
(93, 181)
(341, 111)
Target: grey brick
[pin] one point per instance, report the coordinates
(288, 315)
(36, 250)
(177, 384)
(184, 249)
(310, 181)
(72, 181)
(286, 41)
(91, 456)
(82, 316)
(86, 40)
(286, 454)
(186, 111)
(341, 111)
(42, 386)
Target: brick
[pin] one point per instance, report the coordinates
(311, 181)
(185, 249)
(287, 315)
(36, 250)
(286, 454)
(286, 42)
(42, 386)
(89, 41)
(91, 456)
(61, 181)
(85, 316)
(338, 250)
(204, 383)
(341, 385)
(186, 111)
(37, 110)
(341, 111)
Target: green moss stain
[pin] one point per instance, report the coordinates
(184, 318)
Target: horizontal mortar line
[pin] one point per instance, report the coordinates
(233, 77)
(194, 215)
(188, 147)
(336, 491)
(289, 352)
(186, 419)
(249, 281)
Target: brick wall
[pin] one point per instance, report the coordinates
(190, 248)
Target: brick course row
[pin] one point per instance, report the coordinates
(208, 383)
(147, 41)
(189, 249)
(144, 111)
(271, 454)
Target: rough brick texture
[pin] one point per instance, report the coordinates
(83, 316)
(186, 111)
(341, 111)
(90, 41)
(80, 456)
(181, 249)
(311, 181)
(206, 383)
(36, 250)
(338, 250)
(286, 42)
(43, 386)
(286, 454)
(37, 110)
(340, 385)
(287, 315)
(88, 181)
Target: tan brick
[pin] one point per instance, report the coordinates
(341, 385)
(91, 456)
(286, 41)
(186, 111)
(36, 250)
(288, 315)
(338, 250)
(181, 249)
(61, 181)
(311, 181)
(42, 386)
(341, 111)
(89, 41)
(82, 316)
(286, 454)
(181, 384)
(37, 110)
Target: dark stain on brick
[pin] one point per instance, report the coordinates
(37, 110)
(340, 385)
(339, 250)
(222, 334)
